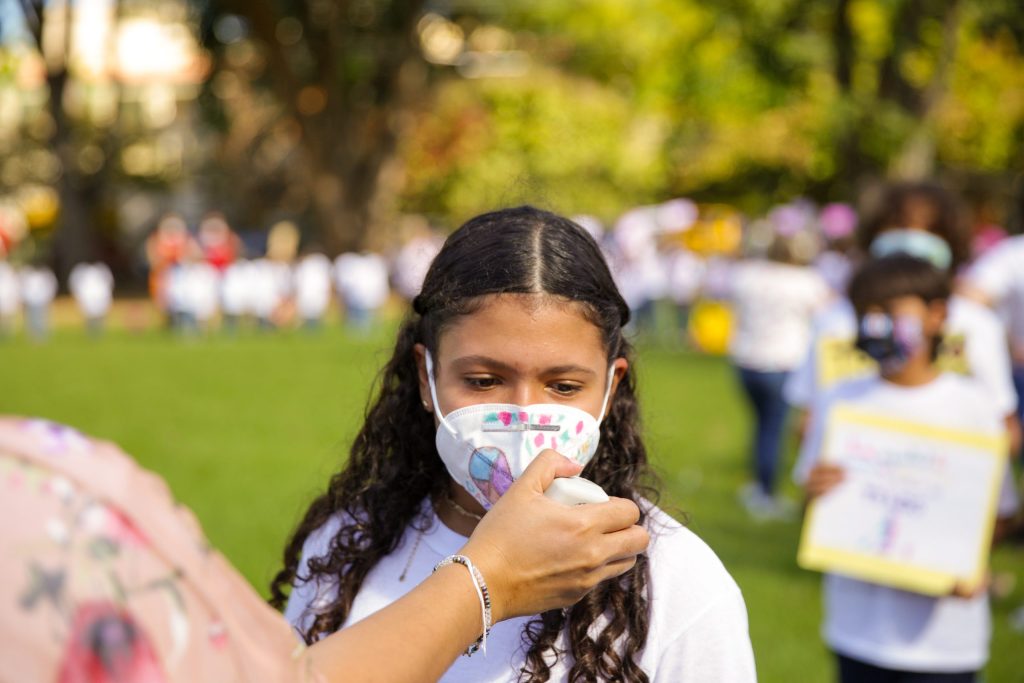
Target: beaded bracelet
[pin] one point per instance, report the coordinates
(481, 592)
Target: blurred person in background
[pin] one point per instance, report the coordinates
(920, 219)
(9, 298)
(412, 261)
(92, 286)
(270, 292)
(881, 634)
(168, 245)
(105, 578)
(200, 289)
(237, 290)
(997, 280)
(685, 278)
(362, 282)
(219, 244)
(682, 269)
(312, 289)
(271, 277)
(637, 265)
(774, 298)
(38, 289)
(838, 225)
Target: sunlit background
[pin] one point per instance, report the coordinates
(361, 127)
(350, 117)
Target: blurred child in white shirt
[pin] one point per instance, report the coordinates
(880, 634)
(362, 281)
(312, 289)
(8, 298)
(92, 286)
(774, 300)
(38, 288)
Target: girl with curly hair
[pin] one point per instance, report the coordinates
(514, 345)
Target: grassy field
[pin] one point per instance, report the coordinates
(246, 430)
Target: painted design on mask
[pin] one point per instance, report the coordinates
(489, 469)
(485, 446)
(890, 341)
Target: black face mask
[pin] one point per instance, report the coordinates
(890, 341)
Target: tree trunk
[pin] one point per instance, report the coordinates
(75, 239)
(916, 159)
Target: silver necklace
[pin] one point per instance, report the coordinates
(419, 534)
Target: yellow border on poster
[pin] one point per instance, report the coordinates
(903, 575)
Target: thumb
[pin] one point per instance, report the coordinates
(543, 470)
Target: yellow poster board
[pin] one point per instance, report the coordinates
(916, 507)
(710, 326)
(839, 360)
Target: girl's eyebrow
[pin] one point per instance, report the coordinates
(505, 367)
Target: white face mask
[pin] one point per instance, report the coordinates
(487, 446)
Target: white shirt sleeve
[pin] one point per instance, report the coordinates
(996, 272)
(810, 448)
(716, 647)
(988, 357)
(1008, 501)
(308, 596)
(799, 387)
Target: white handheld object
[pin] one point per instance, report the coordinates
(575, 491)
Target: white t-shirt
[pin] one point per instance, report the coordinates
(8, 290)
(1000, 275)
(362, 280)
(684, 271)
(237, 287)
(92, 285)
(884, 626)
(698, 631)
(774, 304)
(38, 286)
(412, 263)
(313, 286)
(271, 283)
(200, 290)
(972, 328)
(835, 268)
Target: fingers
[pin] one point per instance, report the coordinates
(823, 478)
(613, 569)
(615, 515)
(625, 544)
(543, 470)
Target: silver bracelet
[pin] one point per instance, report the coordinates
(481, 592)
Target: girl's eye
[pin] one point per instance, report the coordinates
(481, 382)
(565, 388)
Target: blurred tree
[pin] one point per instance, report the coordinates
(340, 111)
(76, 238)
(342, 72)
(741, 101)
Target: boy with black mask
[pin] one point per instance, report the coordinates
(881, 634)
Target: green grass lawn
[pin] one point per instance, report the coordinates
(246, 430)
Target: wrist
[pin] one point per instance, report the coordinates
(483, 595)
(487, 560)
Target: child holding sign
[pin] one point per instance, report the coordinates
(880, 633)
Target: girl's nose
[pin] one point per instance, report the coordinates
(525, 393)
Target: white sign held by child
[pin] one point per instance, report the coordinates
(916, 506)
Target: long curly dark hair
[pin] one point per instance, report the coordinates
(393, 464)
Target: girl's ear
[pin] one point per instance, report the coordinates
(419, 352)
(621, 365)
